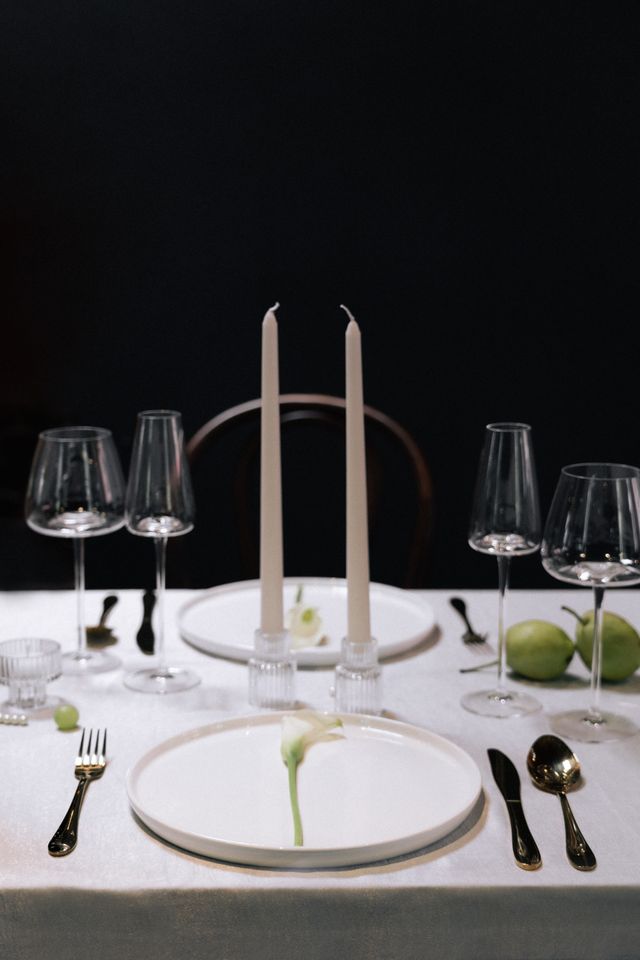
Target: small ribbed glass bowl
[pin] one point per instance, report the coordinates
(27, 665)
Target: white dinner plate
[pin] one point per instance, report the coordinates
(222, 620)
(379, 789)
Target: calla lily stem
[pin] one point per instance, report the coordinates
(292, 767)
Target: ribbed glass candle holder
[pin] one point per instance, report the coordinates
(272, 672)
(358, 678)
(27, 664)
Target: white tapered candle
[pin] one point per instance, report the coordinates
(358, 604)
(271, 569)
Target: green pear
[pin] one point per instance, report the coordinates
(620, 644)
(538, 649)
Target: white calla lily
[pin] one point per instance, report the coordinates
(299, 731)
(303, 623)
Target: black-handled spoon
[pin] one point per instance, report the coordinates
(145, 637)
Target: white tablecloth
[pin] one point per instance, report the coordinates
(124, 892)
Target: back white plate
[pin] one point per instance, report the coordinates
(222, 620)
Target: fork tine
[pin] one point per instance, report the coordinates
(92, 752)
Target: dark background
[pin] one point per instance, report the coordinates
(464, 176)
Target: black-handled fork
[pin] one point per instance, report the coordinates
(470, 635)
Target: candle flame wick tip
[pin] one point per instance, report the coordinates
(347, 311)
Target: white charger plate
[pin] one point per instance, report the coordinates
(222, 620)
(380, 789)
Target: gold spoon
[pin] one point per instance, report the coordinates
(555, 768)
(101, 634)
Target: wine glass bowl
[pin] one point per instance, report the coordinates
(159, 506)
(159, 527)
(505, 523)
(75, 485)
(76, 491)
(495, 543)
(505, 516)
(592, 539)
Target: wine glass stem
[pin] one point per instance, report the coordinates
(78, 567)
(595, 714)
(161, 567)
(503, 583)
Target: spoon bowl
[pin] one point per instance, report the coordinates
(554, 767)
(101, 634)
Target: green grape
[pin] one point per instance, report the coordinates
(66, 716)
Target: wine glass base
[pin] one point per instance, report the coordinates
(161, 680)
(82, 662)
(578, 725)
(500, 704)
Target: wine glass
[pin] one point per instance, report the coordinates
(505, 523)
(159, 505)
(76, 490)
(592, 538)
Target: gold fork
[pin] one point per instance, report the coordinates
(89, 765)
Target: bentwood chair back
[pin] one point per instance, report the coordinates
(224, 456)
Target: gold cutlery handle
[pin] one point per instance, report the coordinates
(66, 836)
(578, 850)
(525, 849)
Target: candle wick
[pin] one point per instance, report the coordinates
(274, 307)
(347, 311)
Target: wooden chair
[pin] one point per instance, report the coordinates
(224, 459)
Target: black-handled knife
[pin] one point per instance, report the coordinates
(525, 849)
(145, 637)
